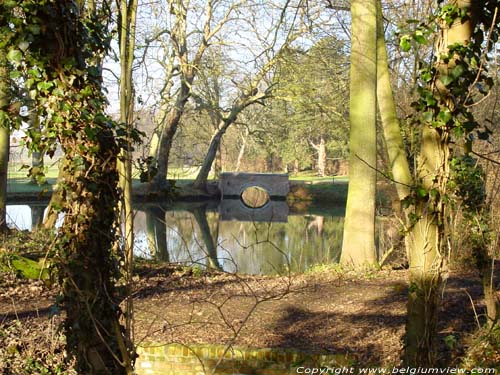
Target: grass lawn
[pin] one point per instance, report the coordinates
(333, 187)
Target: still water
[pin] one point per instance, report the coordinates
(226, 236)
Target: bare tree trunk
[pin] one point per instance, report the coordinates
(244, 138)
(56, 199)
(390, 123)
(36, 156)
(127, 15)
(218, 162)
(244, 101)
(202, 177)
(358, 247)
(168, 131)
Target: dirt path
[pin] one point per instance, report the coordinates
(364, 316)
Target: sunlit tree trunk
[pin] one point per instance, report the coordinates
(239, 160)
(358, 247)
(166, 132)
(321, 150)
(202, 177)
(390, 124)
(246, 100)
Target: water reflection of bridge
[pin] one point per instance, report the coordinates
(193, 232)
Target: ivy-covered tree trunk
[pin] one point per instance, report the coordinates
(426, 253)
(443, 106)
(65, 85)
(4, 136)
(86, 265)
(358, 247)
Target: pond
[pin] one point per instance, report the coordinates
(226, 235)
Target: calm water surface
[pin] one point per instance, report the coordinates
(226, 236)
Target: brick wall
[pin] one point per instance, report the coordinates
(175, 359)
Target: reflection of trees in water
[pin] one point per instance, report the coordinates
(209, 240)
(276, 247)
(196, 236)
(156, 229)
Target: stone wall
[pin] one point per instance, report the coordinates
(175, 359)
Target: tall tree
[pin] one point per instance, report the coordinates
(248, 97)
(126, 32)
(390, 123)
(64, 81)
(358, 247)
(449, 88)
(187, 63)
(4, 130)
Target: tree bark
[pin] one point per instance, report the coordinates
(427, 241)
(168, 131)
(244, 101)
(244, 138)
(4, 137)
(390, 124)
(358, 247)
(127, 15)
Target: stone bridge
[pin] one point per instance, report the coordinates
(232, 187)
(233, 184)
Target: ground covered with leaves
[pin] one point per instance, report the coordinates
(362, 315)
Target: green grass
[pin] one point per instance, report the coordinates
(26, 186)
(313, 177)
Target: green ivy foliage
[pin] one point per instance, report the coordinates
(454, 81)
(54, 54)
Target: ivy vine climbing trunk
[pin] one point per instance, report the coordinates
(358, 247)
(126, 32)
(4, 136)
(443, 106)
(65, 84)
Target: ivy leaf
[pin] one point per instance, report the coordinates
(404, 43)
(44, 86)
(427, 116)
(419, 37)
(426, 75)
(421, 191)
(445, 116)
(484, 135)
(15, 56)
(446, 79)
(34, 29)
(429, 99)
(457, 71)
(14, 74)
